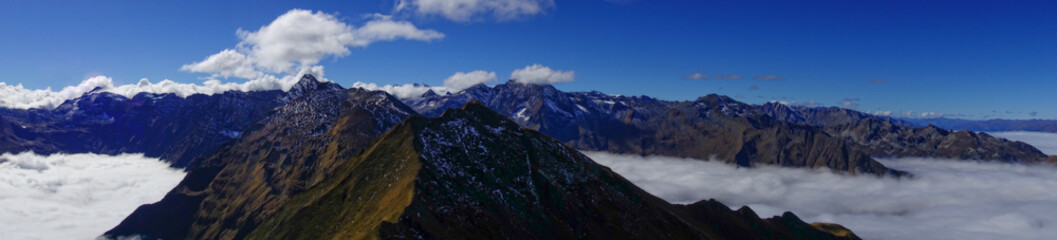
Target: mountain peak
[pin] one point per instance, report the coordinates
(309, 83)
(472, 172)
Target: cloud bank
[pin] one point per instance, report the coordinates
(539, 74)
(298, 40)
(454, 83)
(1045, 142)
(946, 200)
(274, 57)
(461, 80)
(471, 10)
(532, 74)
(696, 76)
(77, 196)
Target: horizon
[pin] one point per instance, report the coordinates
(977, 61)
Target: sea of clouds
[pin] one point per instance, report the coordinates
(1046, 142)
(947, 199)
(76, 196)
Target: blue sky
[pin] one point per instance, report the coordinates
(976, 59)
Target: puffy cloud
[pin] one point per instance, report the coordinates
(882, 113)
(456, 82)
(19, 97)
(227, 63)
(303, 38)
(696, 76)
(272, 58)
(850, 102)
(297, 40)
(385, 29)
(878, 81)
(539, 74)
(768, 78)
(460, 80)
(947, 199)
(469, 10)
(933, 114)
(76, 196)
(809, 103)
(1046, 142)
(728, 77)
(403, 91)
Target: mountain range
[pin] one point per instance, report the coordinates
(487, 161)
(718, 127)
(468, 173)
(991, 125)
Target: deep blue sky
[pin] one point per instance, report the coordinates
(975, 58)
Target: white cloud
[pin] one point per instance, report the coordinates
(1046, 142)
(77, 196)
(461, 80)
(539, 74)
(19, 97)
(404, 91)
(454, 83)
(696, 76)
(227, 63)
(809, 103)
(383, 28)
(301, 38)
(850, 102)
(272, 58)
(469, 10)
(947, 199)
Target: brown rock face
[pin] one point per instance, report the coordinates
(882, 138)
(711, 127)
(472, 174)
(227, 194)
(885, 137)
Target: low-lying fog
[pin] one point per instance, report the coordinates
(947, 199)
(1046, 142)
(76, 196)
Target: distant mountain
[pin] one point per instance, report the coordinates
(228, 193)
(175, 129)
(473, 174)
(821, 116)
(711, 127)
(992, 125)
(886, 137)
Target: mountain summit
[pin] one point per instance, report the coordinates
(226, 194)
(472, 173)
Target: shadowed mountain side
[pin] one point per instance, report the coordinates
(473, 174)
(176, 129)
(992, 125)
(711, 127)
(227, 194)
(885, 137)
